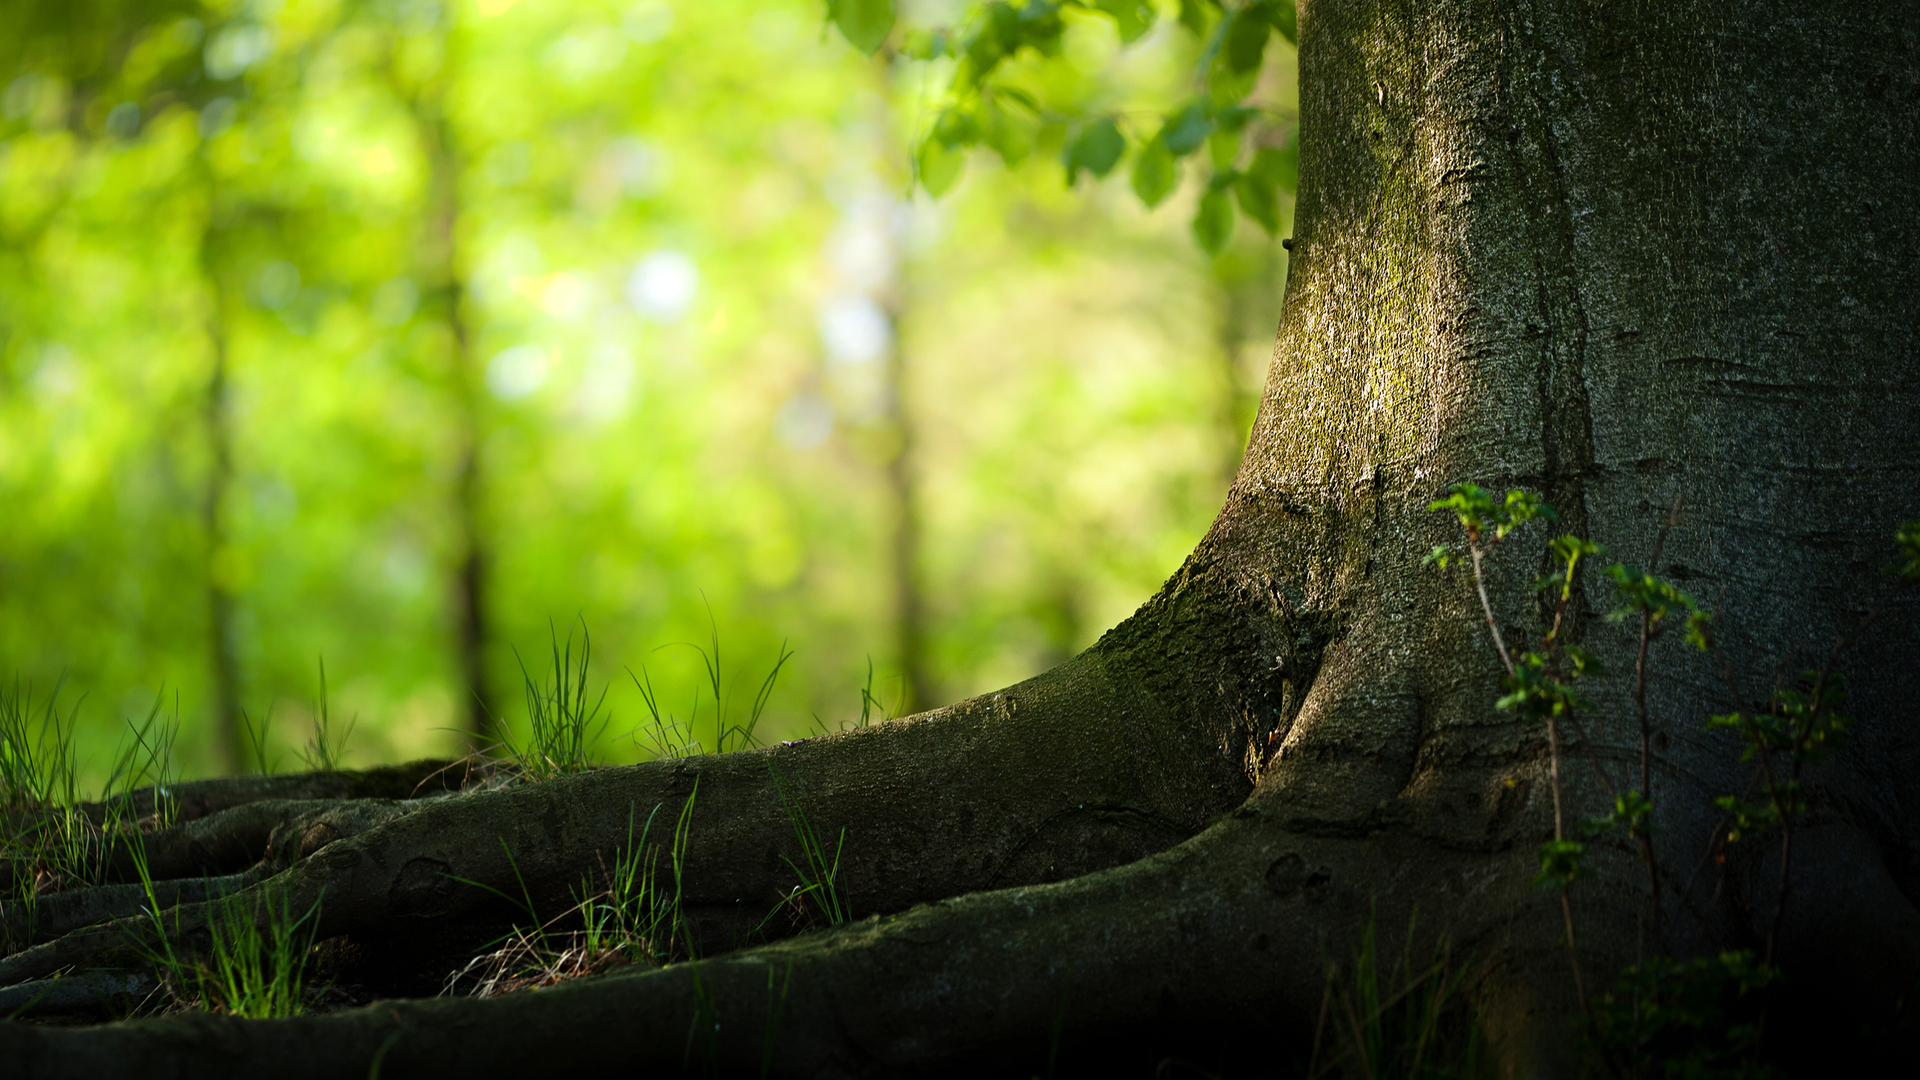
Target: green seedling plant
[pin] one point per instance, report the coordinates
(1538, 683)
(37, 782)
(819, 876)
(1682, 1008)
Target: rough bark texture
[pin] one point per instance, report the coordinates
(1619, 254)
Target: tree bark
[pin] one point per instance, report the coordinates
(1614, 254)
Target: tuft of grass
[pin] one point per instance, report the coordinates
(36, 759)
(870, 703)
(322, 752)
(53, 843)
(250, 970)
(819, 877)
(632, 918)
(254, 972)
(257, 740)
(1406, 1021)
(667, 736)
(563, 724)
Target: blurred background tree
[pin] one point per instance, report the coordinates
(396, 333)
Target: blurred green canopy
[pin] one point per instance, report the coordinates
(304, 303)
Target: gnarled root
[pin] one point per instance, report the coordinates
(1008, 789)
(1226, 934)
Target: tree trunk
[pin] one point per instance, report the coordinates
(230, 738)
(1618, 255)
(472, 631)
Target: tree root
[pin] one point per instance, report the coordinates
(1227, 933)
(181, 848)
(1004, 789)
(192, 799)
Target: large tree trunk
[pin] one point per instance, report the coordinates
(1620, 255)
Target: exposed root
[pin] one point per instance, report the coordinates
(1209, 936)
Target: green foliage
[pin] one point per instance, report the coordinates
(1155, 172)
(279, 195)
(996, 48)
(1478, 513)
(1745, 817)
(1798, 730)
(627, 916)
(1213, 224)
(628, 913)
(668, 736)
(53, 842)
(1539, 686)
(1666, 1016)
(1562, 863)
(1686, 1018)
(1632, 813)
(1654, 599)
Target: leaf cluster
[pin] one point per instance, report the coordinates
(984, 105)
(1687, 1018)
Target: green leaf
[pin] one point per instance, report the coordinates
(864, 22)
(1155, 173)
(939, 167)
(1561, 863)
(1907, 539)
(1009, 133)
(956, 128)
(1247, 40)
(1223, 146)
(1185, 130)
(1213, 224)
(1133, 18)
(1259, 202)
(1096, 149)
(1197, 15)
(996, 37)
(1285, 19)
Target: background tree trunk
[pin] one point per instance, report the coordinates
(1617, 255)
(447, 284)
(230, 737)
